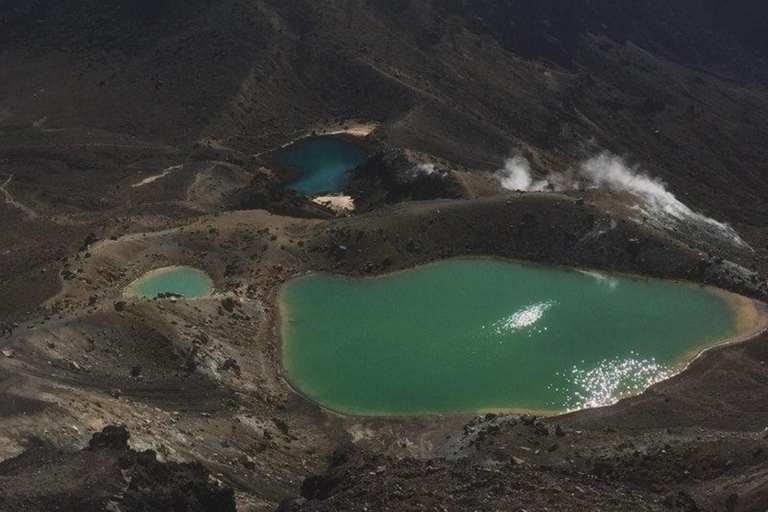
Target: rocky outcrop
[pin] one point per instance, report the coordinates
(395, 175)
(363, 481)
(108, 475)
(266, 191)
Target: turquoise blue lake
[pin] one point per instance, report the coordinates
(324, 163)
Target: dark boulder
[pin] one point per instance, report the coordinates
(115, 437)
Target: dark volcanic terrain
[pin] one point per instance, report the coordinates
(140, 134)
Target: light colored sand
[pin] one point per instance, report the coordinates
(751, 316)
(751, 321)
(338, 204)
(350, 128)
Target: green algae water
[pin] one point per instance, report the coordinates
(483, 335)
(323, 162)
(186, 281)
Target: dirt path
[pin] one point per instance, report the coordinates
(9, 198)
(461, 178)
(152, 179)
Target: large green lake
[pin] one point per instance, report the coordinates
(186, 281)
(481, 335)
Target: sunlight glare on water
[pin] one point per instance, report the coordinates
(525, 317)
(611, 380)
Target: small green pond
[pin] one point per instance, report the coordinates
(480, 335)
(186, 281)
(324, 163)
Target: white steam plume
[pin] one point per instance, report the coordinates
(609, 172)
(516, 175)
(428, 169)
(656, 203)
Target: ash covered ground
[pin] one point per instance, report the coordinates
(136, 135)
